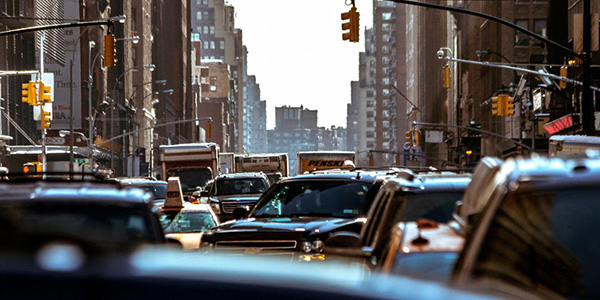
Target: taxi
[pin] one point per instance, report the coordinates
(423, 249)
(185, 223)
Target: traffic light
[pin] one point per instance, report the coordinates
(494, 106)
(32, 168)
(45, 94)
(417, 137)
(563, 73)
(408, 138)
(353, 18)
(110, 50)
(29, 93)
(208, 130)
(510, 106)
(46, 120)
(446, 75)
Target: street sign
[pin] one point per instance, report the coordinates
(81, 161)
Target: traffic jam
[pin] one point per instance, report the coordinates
(240, 226)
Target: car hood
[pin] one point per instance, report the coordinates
(239, 198)
(189, 241)
(307, 225)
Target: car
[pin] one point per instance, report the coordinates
(536, 236)
(298, 214)
(229, 192)
(184, 223)
(157, 188)
(70, 272)
(104, 216)
(423, 249)
(408, 197)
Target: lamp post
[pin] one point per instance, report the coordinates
(151, 67)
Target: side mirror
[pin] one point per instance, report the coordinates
(344, 243)
(204, 193)
(240, 213)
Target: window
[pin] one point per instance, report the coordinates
(386, 145)
(385, 102)
(205, 30)
(385, 27)
(370, 145)
(212, 29)
(199, 15)
(370, 124)
(370, 94)
(213, 83)
(386, 135)
(386, 124)
(386, 113)
(205, 45)
(205, 2)
(521, 39)
(385, 49)
(539, 27)
(386, 16)
(212, 44)
(370, 134)
(386, 92)
(222, 44)
(385, 80)
(205, 15)
(198, 2)
(370, 103)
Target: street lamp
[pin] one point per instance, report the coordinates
(135, 39)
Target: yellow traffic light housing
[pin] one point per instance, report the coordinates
(29, 93)
(564, 72)
(45, 94)
(208, 130)
(408, 138)
(32, 168)
(46, 120)
(110, 50)
(510, 106)
(352, 26)
(417, 137)
(495, 110)
(446, 75)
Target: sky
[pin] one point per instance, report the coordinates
(296, 51)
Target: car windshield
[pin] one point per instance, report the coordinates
(429, 265)
(315, 198)
(433, 206)
(158, 190)
(101, 225)
(190, 179)
(186, 221)
(239, 186)
(545, 240)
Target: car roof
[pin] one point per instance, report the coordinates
(189, 207)
(71, 192)
(140, 181)
(241, 175)
(556, 171)
(359, 176)
(424, 183)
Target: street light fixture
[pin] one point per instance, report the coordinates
(121, 19)
(135, 39)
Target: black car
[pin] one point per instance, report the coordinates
(229, 192)
(300, 213)
(157, 188)
(103, 216)
(537, 235)
(406, 198)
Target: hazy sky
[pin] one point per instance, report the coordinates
(296, 51)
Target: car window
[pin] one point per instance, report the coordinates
(433, 206)
(231, 186)
(316, 198)
(376, 216)
(545, 240)
(158, 191)
(97, 224)
(425, 265)
(186, 221)
(192, 178)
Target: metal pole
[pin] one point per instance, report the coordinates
(41, 75)
(71, 142)
(587, 110)
(90, 119)
(112, 148)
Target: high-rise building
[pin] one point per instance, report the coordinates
(213, 23)
(366, 100)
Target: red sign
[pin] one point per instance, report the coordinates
(559, 124)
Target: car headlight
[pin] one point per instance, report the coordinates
(206, 245)
(316, 246)
(216, 207)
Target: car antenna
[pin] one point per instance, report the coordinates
(420, 240)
